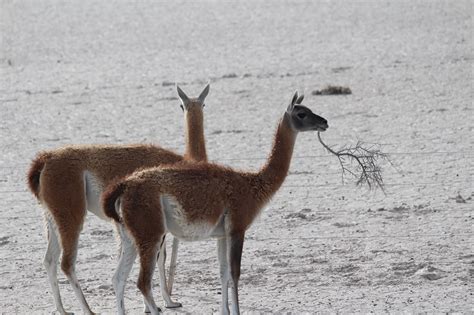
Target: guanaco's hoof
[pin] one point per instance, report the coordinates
(174, 305)
(147, 311)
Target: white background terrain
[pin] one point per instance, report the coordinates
(104, 72)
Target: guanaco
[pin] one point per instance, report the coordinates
(69, 180)
(200, 201)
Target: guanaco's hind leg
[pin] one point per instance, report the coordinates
(126, 260)
(50, 262)
(148, 256)
(69, 241)
(144, 222)
(161, 270)
(127, 257)
(64, 198)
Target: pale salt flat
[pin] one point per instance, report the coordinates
(104, 72)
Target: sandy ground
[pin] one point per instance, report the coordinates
(102, 72)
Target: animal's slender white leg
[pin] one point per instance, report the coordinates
(127, 257)
(71, 276)
(146, 309)
(235, 298)
(50, 262)
(224, 273)
(78, 291)
(161, 270)
(172, 271)
(234, 249)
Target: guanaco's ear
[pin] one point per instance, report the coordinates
(300, 99)
(204, 93)
(293, 101)
(182, 96)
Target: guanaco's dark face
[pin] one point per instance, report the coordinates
(302, 118)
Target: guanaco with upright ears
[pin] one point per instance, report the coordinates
(69, 181)
(202, 200)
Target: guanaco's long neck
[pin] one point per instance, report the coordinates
(194, 136)
(276, 169)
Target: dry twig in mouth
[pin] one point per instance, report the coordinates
(367, 171)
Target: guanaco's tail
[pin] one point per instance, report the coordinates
(109, 198)
(34, 172)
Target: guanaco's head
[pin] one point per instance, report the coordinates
(194, 124)
(302, 118)
(192, 106)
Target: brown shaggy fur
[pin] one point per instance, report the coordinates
(35, 171)
(195, 143)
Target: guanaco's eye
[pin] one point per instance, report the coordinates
(301, 115)
(182, 108)
(203, 105)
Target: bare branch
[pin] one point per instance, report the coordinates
(367, 169)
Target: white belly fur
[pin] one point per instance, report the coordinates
(93, 190)
(176, 223)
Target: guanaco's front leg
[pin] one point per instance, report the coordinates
(224, 273)
(172, 271)
(235, 244)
